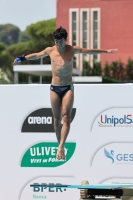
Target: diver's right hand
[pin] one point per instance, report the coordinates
(19, 59)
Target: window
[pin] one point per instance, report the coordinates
(95, 36)
(84, 21)
(84, 34)
(74, 17)
(73, 26)
(95, 32)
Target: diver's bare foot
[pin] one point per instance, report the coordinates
(60, 154)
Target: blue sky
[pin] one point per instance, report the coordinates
(25, 12)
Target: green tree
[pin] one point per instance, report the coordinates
(117, 70)
(6, 75)
(38, 36)
(41, 33)
(114, 69)
(129, 69)
(23, 37)
(106, 69)
(5, 59)
(2, 47)
(109, 80)
(19, 49)
(9, 34)
(96, 69)
(25, 48)
(87, 70)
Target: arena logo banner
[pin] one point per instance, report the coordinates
(44, 155)
(30, 192)
(118, 154)
(41, 121)
(114, 118)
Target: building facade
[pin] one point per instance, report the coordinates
(104, 24)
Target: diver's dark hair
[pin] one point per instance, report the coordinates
(60, 33)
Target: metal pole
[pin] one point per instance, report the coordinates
(29, 79)
(40, 79)
(41, 61)
(16, 78)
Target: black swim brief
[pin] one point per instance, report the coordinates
(61, 90)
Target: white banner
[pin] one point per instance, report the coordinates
(99, 147)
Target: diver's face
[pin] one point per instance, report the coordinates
(60, 43)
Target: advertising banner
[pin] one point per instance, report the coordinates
(99, 146)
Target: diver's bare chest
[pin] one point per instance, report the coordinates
(61, 61)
